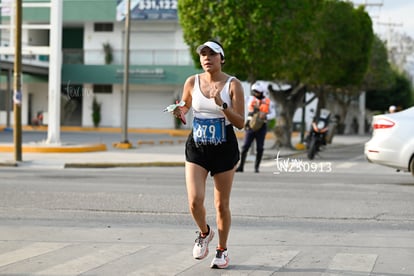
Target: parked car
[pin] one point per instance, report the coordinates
(392, 142)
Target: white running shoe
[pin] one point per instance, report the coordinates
(200, 250)
(221, 260)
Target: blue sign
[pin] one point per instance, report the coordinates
(148, 10)
(17, 97)
(209, 131)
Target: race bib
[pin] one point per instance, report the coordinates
(209, 131)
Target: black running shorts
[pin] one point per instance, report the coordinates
(214, 158)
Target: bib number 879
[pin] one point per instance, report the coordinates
(204, 131)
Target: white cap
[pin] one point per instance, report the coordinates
(259, 87)
(392, 108)
(213, 46)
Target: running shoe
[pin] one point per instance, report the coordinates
(200, 250)
(221, 260)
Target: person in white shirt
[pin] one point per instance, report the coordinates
(217, 100)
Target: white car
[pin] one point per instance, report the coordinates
(392, 142)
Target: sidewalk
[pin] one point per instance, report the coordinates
(160, 148)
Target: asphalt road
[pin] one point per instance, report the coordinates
(335, 215)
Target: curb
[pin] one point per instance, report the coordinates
(124, 165)
(8, 164)
(42, 148)
(55, 149)
(160, 142)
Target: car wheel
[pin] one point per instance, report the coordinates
(412, 165)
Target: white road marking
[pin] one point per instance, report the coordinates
(29, 251)
(345, 165)
(264, 262)
(172, 265)
(91, 261)
(351, 264)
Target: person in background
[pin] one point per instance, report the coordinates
(38, 120)
(260, 103)
(217, 100)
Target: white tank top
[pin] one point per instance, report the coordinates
(205, 108)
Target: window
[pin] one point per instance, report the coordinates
(102, 88)
(103, 27)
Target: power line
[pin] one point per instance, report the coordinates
(366, 4)
(389, 24)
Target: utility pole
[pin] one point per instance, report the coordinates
(124, 119)
(17, 85)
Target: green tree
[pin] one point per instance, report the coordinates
(399, 94)
(243, 27)
(379, 74)
(334, 62)
(266, 39)
(346, 37)
(107, 48)
(399, 90)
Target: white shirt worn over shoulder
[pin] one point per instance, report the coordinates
(205, 108)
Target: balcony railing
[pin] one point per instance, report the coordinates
(35, 60)
(97, 57)
(137, 57)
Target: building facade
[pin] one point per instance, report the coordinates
(93, 53)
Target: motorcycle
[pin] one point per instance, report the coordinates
(318, 133)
